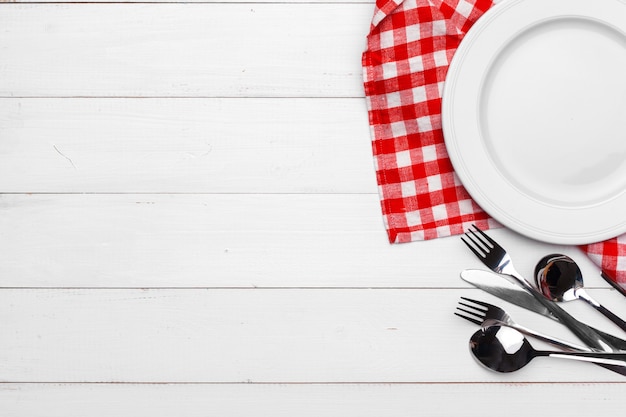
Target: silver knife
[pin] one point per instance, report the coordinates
(494, 284)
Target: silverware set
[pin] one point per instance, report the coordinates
(500, 344)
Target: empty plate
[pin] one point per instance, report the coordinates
(534, 117)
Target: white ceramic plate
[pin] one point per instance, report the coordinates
(534, 117)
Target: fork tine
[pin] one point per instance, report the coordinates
(478, 322)
(474, 314)
(492, 243)
(482, 303)
(472, 247)
(475, 309)
(478, 241)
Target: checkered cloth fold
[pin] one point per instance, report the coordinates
(409, 48)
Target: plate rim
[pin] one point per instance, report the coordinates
(618, 227)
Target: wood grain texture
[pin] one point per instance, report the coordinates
(183, 50)
(162, 145)
(190, 226)
(284, 400)
(201, 1)
(229, 240)
(238, 336)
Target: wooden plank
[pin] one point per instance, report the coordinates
(192, 400)
(198, 1)
(253, 336)
(185, 50)
(229, 240)
(185, 145)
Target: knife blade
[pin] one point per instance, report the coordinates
(495, 284)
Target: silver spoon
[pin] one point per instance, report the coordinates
(504, 349)
(560, 279)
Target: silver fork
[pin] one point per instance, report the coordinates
(496, 258)
(485, 314)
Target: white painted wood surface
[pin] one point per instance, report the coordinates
(189, 225)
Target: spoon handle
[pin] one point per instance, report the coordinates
(613, 282)
(549, 339)
(611, 316)
(604, 358)
(506, 290)
(581, 330)
(602, 309)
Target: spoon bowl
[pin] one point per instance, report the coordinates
(559, 278)
(504, 349)
(501, 348)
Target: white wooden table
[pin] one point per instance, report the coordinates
(190, 226)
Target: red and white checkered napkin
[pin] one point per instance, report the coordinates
(409, 48)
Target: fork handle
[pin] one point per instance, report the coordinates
(582, 331)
